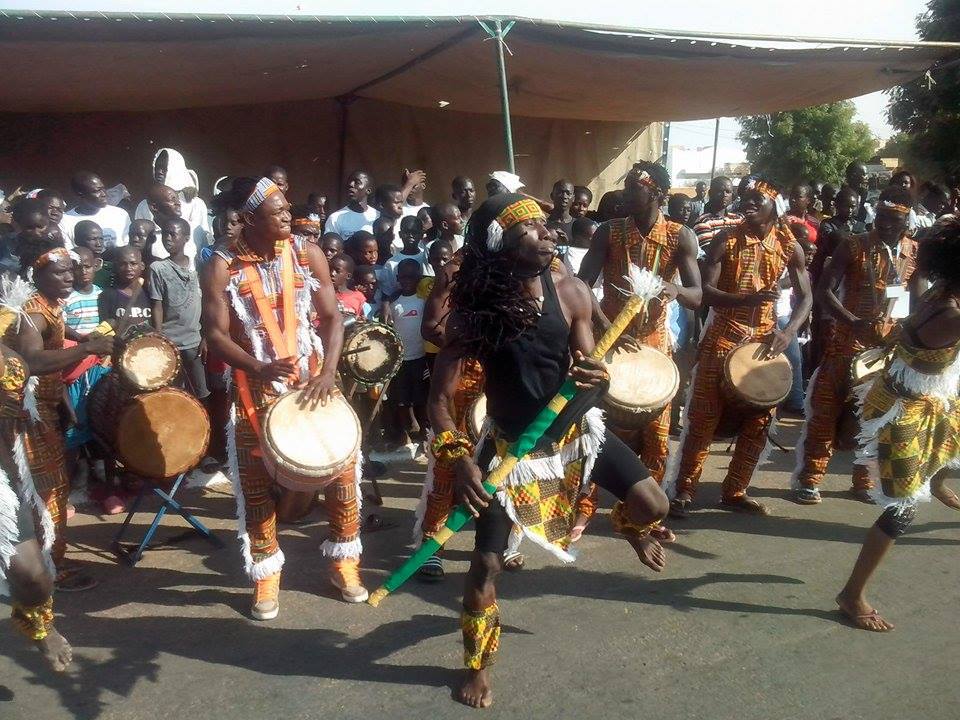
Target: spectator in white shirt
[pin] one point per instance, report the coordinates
(411, 231)
(357, 214)
(164, 204)
(389, 199)
(92, 205)
(170, 169)
(414, 186)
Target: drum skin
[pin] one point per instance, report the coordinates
(754, 382)
(643, 381)
(146, 362)
(476, 415)
(867, 364)
(372, 353)
(157, 435)
(305, 449)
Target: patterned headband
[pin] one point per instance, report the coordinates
(764, 188)
(264, 189)
(895, 207)
(55, 255)
(514, 214)
(305, 223)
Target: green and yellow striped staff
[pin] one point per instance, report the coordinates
(460, 515)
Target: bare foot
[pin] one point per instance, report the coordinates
(476, 691)
(579, 525)
(945, 495)
(56, 650)
(663, 534)
(863, 616)
(650, 552)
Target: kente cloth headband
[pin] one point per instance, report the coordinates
(305, 222)
(769, 191)
(513, 214)
(897, 208)
(644, 178)
(53, 256)
(264, 189)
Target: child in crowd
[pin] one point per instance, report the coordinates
(582, 232)
(126, 303)
(317, 205)
(383, 232)
(174, 292)
(407, 391)
(80, 308)
(389, 200)
(411, 235)
(88, 234)
(341, 272)
(143, 234)
(440, 254)
(582, 197)
(302, 224)
(678, 208)
(449, 223)
(362, 248)
(425, 216)
(365, 281)
(332, 245)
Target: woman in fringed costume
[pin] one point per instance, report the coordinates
(258, 298)
(910, 418)
(38, 336)
(529, 332)
(26, 528)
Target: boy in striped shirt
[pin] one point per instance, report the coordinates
(80, 308)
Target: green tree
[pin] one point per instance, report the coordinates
(927, 110)
(815, 143)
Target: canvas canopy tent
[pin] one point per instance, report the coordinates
(379, 90)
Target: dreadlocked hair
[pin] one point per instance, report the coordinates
(492, 308)
(30, 250)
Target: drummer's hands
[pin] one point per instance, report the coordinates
(468, 487)
(669, 293)
(99, 344)
(588, 373)
(317, 390)
(280, 369)
(779, 342)
(202, 351)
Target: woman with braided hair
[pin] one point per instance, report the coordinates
(910, 427)
(529, 329)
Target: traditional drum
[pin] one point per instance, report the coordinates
(642, 382)
(372, 353)
(752, 382)
(156, 435)
(304, 448)
(476, 415)
(146, 361)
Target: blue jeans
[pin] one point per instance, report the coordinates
(795, 398)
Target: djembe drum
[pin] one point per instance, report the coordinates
(372, 353)
(306, 448)
(866, 365)
(145, 361)
(752, 385)
(476, 416)
(157, 435)
(643, 381)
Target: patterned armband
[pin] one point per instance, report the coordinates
(33, 620)
(451, 445)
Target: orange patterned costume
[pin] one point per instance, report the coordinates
(862, 291)
(256, 506)
(657, 250)
(750, 264)
(44, 440)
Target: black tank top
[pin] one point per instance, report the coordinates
(524, 374)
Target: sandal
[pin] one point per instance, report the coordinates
(744, 504)
(807, 496)
(514, 561)
(680, 508)
(73, 580)
(860, 621)
(432, 569)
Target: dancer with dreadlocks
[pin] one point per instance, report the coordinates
(910, 428)
(37, 334)
(741, 271)
(529, 332)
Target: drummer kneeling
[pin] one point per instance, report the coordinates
(257, 297)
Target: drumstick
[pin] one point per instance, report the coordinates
(460, 515)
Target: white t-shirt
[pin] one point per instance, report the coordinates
(114, 221)
(413, 209)
(345, 222)
(195, 213)
(455, 244)
(388, 282)
(407, 316)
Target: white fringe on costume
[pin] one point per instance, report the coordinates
(354, 548)
(586, 446)
(801, 450)
(9, 528)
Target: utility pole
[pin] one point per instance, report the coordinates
(716, 139)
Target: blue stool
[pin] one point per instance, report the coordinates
(133, 557)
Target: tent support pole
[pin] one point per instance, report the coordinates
(716, 139)
(498, 35)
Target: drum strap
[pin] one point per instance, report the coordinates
(284, 341)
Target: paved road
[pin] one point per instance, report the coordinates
(740, 625)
